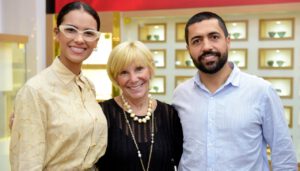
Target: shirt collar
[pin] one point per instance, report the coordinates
(63, 73)
(233, 79)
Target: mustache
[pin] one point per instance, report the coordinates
(209, 53)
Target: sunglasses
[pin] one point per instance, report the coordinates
(72, 32)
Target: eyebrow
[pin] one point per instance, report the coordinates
(209, 34)
(79, 29)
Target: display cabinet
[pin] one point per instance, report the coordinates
(181, 79)
(179, 32)
(13, 75)
(159, 57)
(183, 59)
(158, 85)
(99, 77)
(276, 58)
(288, 111)
(94, 67)
(282, 85)
(238, 30)
(239, 57)
(154, 32)
(276, 29)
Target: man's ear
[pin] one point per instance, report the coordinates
(228, 40)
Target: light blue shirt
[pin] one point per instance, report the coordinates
(229, 130)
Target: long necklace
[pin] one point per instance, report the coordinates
(136, 145)
(133, 115)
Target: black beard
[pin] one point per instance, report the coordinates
(218, 65)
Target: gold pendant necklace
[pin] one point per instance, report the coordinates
(136, 145)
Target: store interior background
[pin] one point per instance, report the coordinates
(121, 21)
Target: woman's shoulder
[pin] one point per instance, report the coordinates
(107, 103)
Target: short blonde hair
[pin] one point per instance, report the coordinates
(125, 54)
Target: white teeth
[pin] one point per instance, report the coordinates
(135, 87)
(77, 50)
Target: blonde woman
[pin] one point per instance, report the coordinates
(143, 133)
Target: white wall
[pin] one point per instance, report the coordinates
(27, 18)
(24, 18)
(1, 16)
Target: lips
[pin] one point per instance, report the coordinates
(135, 87)
(77, 49)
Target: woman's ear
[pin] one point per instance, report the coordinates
(55, 30)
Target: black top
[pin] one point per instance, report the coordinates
(121, 153)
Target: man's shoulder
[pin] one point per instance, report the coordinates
(253, 79)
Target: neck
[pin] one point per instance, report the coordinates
(75, 68)
(214, 81)
(139, 106)
(137, 103)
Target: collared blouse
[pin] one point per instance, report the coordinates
(58, 123)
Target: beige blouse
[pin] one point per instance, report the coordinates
(57, 125)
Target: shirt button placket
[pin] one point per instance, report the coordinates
(211, 134)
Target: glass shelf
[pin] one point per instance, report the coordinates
(181, 79)
(238, 30)
(276, 58)
(159, 56)
(239, 57)
(13, 75)
(179, 32)
(158, 85)
(183, 59)
(152, 32)
(288, 111)
(276, 29)
(282, 85)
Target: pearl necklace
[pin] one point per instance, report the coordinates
(135, 143)
(133, 115)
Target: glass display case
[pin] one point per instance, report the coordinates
(179, 32)
(288, 112)
(282, 85)
(239, 57)
(183, 59)
(154, 32)
(276, 58)
(13, 75)
(181, 79)
(159, 57)
(94, 68)
(158, 85)
(276, 29)
(238, 30)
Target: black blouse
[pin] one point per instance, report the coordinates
(121, 153)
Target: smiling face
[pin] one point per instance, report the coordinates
(208, 46)
(134, 81)
(75, 51)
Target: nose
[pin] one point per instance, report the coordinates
(133, 77)
(207, 45)
(79, 37)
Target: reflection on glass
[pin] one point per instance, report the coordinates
(101, 53)
(157, 85)
(13, 77)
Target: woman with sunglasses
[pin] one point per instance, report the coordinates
(58, 123)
